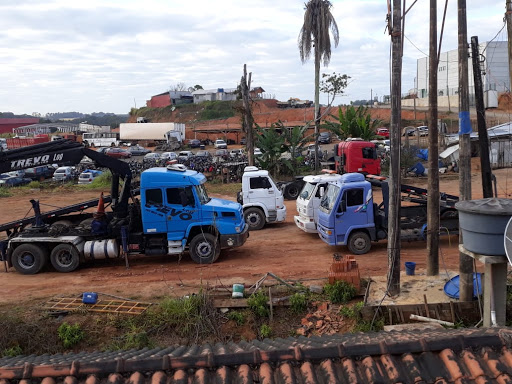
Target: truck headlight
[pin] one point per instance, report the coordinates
(328, 232)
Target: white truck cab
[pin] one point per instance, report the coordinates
(262, 200)
(309, 200)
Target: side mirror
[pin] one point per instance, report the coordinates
(322, 191)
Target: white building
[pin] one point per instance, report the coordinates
(218, 94)
(495, 77)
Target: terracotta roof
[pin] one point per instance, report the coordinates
(434, 356)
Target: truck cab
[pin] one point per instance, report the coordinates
(346, 214)
(262, 200)
(309, 198)
(178, 213)
(357, 155)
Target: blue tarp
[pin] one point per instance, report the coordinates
(422, 154)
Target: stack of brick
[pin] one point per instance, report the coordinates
(345, 268)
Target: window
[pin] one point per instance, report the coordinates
(369, 153)
(180, 196)
(154, 197)
(354, 197)
(260, 183)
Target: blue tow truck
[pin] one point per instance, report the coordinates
(349, 216)
(174, 215)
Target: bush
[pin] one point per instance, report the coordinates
(70, 335)
(298, 302)
(237, 317)
(257, 303)
(340, 292)
(13, 351)
(352, 311)
(265, 331)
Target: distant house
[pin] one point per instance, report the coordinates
(170, 98)
(218, 94)
(256, 93)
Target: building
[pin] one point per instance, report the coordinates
(218, 94)
(170, 98)
(495, 76)
(8, 124)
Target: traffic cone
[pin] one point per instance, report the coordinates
(101, 206)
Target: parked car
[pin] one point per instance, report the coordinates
(324, 138)
(222, 153)
(194, 143)
(137, 150)
(220, 144)
(422, 130)
(153, 156)
(185, 155)
(103, 150)
(39, 173)
(236, 152)
(14, 181)
(243, 141)
(203, 153)
(119, 153)
(257, 151)
(87, 176)
(408, 131)
(168, 156)
(64, 174)
(384, 132)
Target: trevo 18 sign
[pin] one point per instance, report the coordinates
(36, 160)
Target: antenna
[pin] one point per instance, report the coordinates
(508, 240)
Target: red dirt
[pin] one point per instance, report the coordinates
(281, 249)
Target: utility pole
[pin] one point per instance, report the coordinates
(394, 169)
(245, 87)
(465, 262)
(483, 139)
(508, 17)
(433, 151)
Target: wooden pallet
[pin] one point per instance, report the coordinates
(68, 304)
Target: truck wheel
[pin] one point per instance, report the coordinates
(254, 218)
(291, 192)
(29, 259)
(359, 243)
(204, 248)
(65, 258)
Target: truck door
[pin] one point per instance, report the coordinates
(262, 191)
(369, 161)
(153, 211)
(182, 210)
(350, 212)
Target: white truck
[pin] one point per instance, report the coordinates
(309, 200)
(154, 132)
(262, 200)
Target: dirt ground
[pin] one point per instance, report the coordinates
(281, 249)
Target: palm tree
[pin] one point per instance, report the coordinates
(314, 35)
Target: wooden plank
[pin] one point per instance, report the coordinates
(109, 306)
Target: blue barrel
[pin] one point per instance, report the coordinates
(410, 266)
(89, 297)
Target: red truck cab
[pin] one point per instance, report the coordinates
(357, 156)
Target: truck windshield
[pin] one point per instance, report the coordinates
(307, 190)
(202, 194)
(327, 203)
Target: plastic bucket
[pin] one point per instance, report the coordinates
(238, 291)
(409, 268)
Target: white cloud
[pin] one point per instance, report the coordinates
(107, 55)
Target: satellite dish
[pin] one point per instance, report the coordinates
(508, 241)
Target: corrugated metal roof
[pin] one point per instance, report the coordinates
(435, 356)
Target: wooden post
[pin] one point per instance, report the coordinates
(508, 17)
(245, 86)
(483, 139)
(433, 204)
(393, 278)
(465, 262)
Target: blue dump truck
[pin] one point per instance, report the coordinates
(174, 215)
(349, 216)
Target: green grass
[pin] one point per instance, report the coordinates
(5, 192)
(257, 303)
(298, 303)
(70, 334)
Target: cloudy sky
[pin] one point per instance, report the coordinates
(111, 55)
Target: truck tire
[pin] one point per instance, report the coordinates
(359, 243)
(29, 259)
(65, 258)
(255, 218)
(291, 191)
(204, 248)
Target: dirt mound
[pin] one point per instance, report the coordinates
(505, 101)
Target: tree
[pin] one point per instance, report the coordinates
(195, 88)
(178, 87)
(272, 145)
(333, 85)
(354, 123)
(296, 140)
(314, 35)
